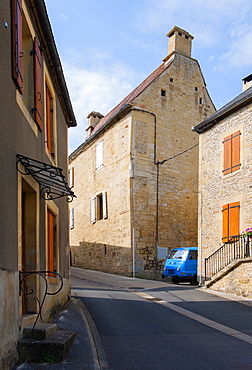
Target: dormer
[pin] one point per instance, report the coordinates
(180, 41)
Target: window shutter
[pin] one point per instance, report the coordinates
(93, 210)
(17, 46)
(49, 121)
(104, 204)
(234, 216)
(225, 223)
(37, 61)
(71, 177)
(236, 151)
(227, 155)
(71, 223)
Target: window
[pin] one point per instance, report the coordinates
(163, 93)
(71, 219)
(98, 207)
(27, 63)
(49, 121)
(71, 177)
(51, 237)
(231, 153)
(230, 221)
(99, 155)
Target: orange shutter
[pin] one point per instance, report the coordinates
(17, 53)
(234, 216)
(227, 155)
(235, 151)
(38, 110)
(225, 223)
(50, 241)
(49, 120)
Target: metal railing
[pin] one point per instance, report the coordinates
(235, 249)
(28, 290)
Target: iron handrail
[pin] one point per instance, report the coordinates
(44, 275)
(235, 249)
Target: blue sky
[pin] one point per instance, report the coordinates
(107, 47)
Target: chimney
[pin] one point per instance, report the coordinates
(179, 41)
(247, 82)
(93, 119)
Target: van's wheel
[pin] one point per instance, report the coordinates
(194, 280)
(175, 280)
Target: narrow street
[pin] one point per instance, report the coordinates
(146, 324)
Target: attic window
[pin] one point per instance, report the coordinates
(172, 34)
(187, 37)
(180, 34)
(163, 93)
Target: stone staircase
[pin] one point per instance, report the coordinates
(45, 343)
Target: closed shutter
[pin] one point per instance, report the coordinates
(50, 241)
(71, 219)
(227, 155)
(234, 216)
(71, 177)
(99, 155)
(236, 151)
(37, 61)
(104, 204)
(225, 223)
(93, 210)
(17, 53)
(49, 120)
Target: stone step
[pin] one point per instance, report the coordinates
(40, 332)
(53, 349)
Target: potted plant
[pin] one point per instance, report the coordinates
(247, 233)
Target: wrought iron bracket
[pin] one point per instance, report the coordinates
(23, 275)
(51, 179)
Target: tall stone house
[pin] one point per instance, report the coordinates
(35, 115)
(135, 175)
(225, 152)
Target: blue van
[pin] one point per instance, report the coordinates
(181, 265)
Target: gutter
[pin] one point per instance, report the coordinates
(54, 60)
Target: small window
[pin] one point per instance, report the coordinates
(99, 155)
(163, 93)
(200, 100)
(187, 37)
(171, 79)
(180, 34)
(98, 207)
(196, 89)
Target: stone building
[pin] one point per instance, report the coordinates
(35, 115)
(133, 203)
(225, 152)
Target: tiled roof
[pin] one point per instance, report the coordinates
(244, 98)
(129, 98)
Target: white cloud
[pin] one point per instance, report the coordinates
(95, 90)
(64, 16)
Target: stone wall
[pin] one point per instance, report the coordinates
(216, 189)
(237, 281)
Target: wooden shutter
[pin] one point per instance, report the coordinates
(104, 204)
(225, 223)
(227, 155)
(49, 121)
(235, 161)
(50, 240)
(234, 216)
(71, 223)
(71, 177)
(93, 210)
(17, 46)
(38, 103)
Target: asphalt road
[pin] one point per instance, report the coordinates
(149, 325)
